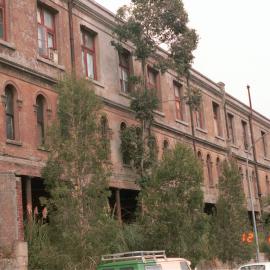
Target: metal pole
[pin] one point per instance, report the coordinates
(252, 209)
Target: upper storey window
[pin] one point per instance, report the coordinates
(10, 130)
(124, 68)
(2, 19)
(88, 54)
(217, 121)
(245, 135)
(152, 78)
(178, 94)
(46, 32)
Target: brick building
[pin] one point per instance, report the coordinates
(39, 42)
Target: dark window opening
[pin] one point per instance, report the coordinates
(128, 202)
(33, 189)
(40, 102)
(10, 132)
(210, 209)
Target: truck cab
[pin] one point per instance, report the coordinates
(142, 260)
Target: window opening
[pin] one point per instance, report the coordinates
(10, 133)
(178, 94)
(124, 68)
(231, 128)
(40, 119)
(46, 32)
(88, 54)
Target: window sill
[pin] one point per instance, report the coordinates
(219, 138)
(181, 122)
(201, 130)
(14, 142)
(7, 44)
(126, 95)
(97, 83)
(159, 113)
(50, 63)
(42, 148)
(266, 158)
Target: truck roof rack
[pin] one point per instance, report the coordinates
(135, 255)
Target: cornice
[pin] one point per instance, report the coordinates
(94, 14)
(27, 70)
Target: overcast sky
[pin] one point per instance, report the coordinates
(234, 45)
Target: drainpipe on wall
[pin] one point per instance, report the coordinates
(254, 148)
(72, 50)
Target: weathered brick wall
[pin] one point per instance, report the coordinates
(8, 210)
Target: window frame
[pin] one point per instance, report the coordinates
(41, 139)
(12, 114)
(231, 133)
(155, 73)
(199, 117)
(264, 143)
(51, 31)
(245, 134)
(217, 119)
(3, 8)
(86, 50)
(127, 69)
(180, 112)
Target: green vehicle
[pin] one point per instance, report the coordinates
(142, 260)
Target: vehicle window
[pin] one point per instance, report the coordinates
(253, 267)
(153, 267)
(184, 266)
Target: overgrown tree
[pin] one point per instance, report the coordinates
(81, 227)
(231, 218)
(172, 202)
(147, 24)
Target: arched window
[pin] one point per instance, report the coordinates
(218, 166)
(209, 170)
(123, 126)
(10, 114)
(40, 103)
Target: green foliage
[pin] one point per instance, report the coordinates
(231, 219)
(81, 227)
(143, 104)
(148, 24)
(173, 217)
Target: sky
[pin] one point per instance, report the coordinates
(234, 45)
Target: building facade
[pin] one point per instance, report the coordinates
(42, 40)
